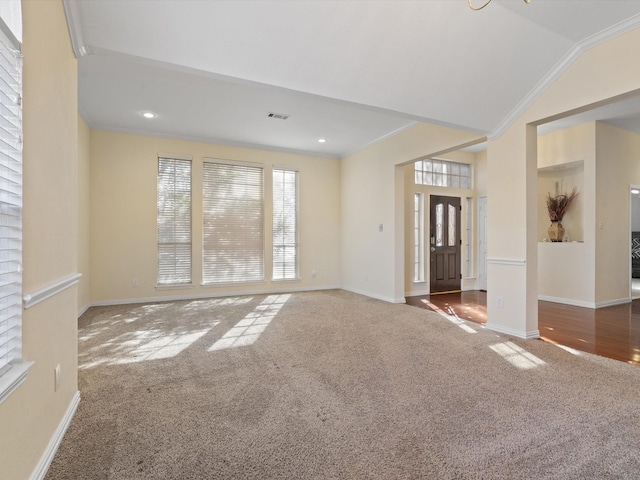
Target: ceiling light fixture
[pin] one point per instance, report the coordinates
(487, 3)
(322, 140)
(148, 115)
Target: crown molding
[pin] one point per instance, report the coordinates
(580, 47)
(73, 12)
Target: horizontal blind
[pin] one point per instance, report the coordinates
(10, 206)
(285, 224)
(233, 223)
(174, 221)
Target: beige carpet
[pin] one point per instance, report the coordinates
(333, 385)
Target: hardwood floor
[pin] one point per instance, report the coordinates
(612, 332)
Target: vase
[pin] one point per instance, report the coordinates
(556, 232)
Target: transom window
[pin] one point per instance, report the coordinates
(443, 173)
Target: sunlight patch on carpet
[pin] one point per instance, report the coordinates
(142, 345)
(517, 356)
(249, 329)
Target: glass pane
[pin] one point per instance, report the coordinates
(427, 178)
(437, 166)
(418, 178)
(455, 168)
(427, 166)
(455, 181)
(452, 226)
(439, 225)
(437, 179)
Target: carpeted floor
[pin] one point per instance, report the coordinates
(333, 385)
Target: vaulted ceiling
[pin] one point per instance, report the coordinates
(352, 72)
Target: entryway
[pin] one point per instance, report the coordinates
(444, 244)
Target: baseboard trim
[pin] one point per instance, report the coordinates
(47, 457)
(611, 303)
(84, 309)
(170, 298)
(373, 295)
(567, 301)
(514, 333)
(581, 303)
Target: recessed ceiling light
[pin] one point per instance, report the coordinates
(148, 115)
(322, 140)
(635, 191)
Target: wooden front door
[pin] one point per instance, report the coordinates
(444, 244)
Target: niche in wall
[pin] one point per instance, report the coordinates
(560, 179)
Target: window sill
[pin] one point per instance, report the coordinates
(285, 280)
(13, 378)
(233, 284)
(174, 287)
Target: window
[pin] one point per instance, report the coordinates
(443, 173)
(285, 225)
(174, 221)
(12, 369)
(418, 239)
(233, 225)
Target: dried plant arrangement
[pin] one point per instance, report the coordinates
(559, 205)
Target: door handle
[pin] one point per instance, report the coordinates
(433, 249)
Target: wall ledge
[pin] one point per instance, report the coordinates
(47, 457)
(13, 378)
(50, 290)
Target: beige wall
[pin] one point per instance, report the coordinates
(31, 415)
(566, 272)
(372, 192)
(84, 215)
(618, 167)
(124, 231)
(611, 69)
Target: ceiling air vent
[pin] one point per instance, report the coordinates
(278, 116)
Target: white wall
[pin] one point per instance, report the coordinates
(123, 211)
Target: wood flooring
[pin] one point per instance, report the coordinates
(612, 332)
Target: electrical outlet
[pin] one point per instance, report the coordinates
(56, 376)
(499, 302)
(134, 282)
(313, 274)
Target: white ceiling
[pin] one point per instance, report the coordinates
(352, 72)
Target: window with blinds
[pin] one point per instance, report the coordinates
(285, 225)
(174, 221)
(10, 207)
(233, 222)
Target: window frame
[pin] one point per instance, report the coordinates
(13, 368)
(296, 244)
(435, 172)
(182, 160)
